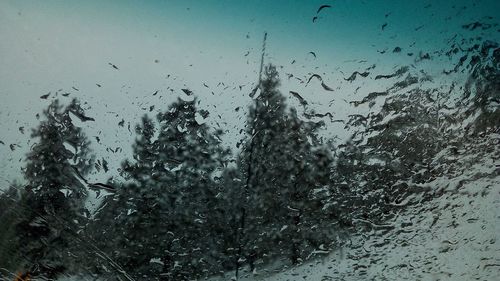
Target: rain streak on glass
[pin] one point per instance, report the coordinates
(249, 140)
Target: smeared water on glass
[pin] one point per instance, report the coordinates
(250, 140)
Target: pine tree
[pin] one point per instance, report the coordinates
(192, 154)
(169, 213)
(392, 153)
(133, 216)
(285, 164)
(55, 195)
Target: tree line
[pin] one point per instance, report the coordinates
(189, 210)
(186, 210)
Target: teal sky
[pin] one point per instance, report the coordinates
(50, 45)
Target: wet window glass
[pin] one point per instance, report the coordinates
(249, 140)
